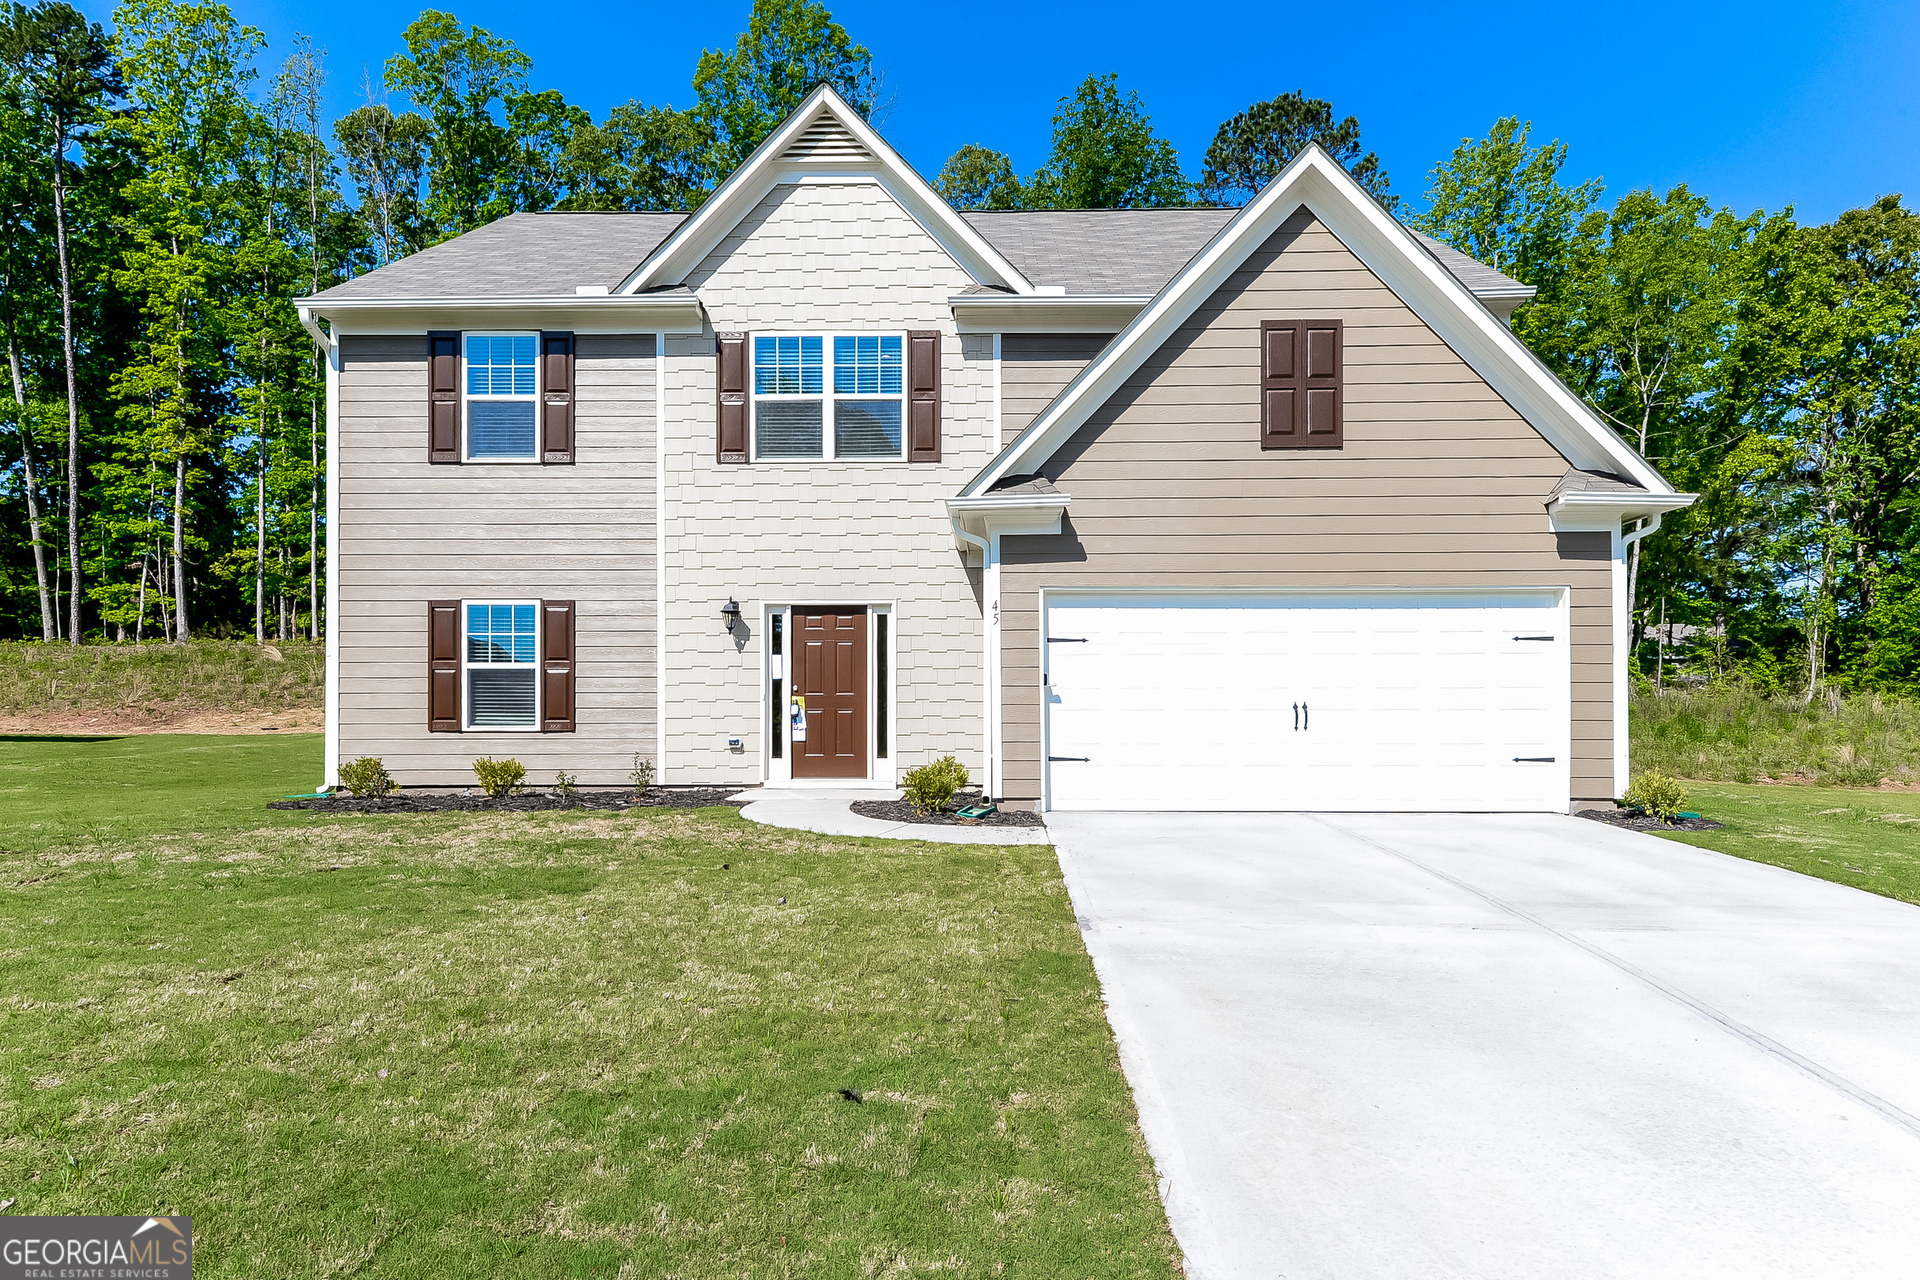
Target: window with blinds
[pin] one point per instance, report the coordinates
(502, 400)
(502, 662)
(801, 410)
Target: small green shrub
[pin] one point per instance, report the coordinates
(642, 773)
(564, 785)
(1659, 795)
(499, 778)
(930, 786)
(367, 776)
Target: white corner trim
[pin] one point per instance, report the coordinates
(330, 758)
(769, 165)
(1474, 332)
(660, 556)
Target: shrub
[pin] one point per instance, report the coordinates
(499, 778)
(1659, 795)
(367, 776)
(642, 774)
(563, 786)
(930, 786)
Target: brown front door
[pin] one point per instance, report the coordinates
(830, 671)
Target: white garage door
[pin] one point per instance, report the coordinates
(1432, 701)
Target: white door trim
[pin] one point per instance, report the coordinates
(777, 772)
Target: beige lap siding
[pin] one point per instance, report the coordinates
(1036, 367)
(1440, 484)
(411, 532)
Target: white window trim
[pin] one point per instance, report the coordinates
(466, 690)
(827, 395)
(467, 399)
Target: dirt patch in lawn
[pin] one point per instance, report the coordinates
(161, 719)
(528, 802)
(901, 811)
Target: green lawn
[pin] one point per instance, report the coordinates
(545, 1045)
(1867, 839)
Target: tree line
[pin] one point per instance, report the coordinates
(162, 200)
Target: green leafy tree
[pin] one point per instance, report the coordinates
(1106, 155)
(386, 159)
(66, 68)
(463, 79)
(788, 48)
(641, 158)
(976, 177)
(542, 126)
(188, 65)
(1250, 149)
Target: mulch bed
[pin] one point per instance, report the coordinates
(901, 811)
(1635, 821)
(527, 802)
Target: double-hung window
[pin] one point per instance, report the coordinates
(502, 397)
(502, 665)
(804, 409)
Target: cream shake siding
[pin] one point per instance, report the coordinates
(833, 256)
(411, 532)
(1440, 484)
(1036, 367)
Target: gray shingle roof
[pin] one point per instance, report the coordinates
(522, 255)
(1593, 482)
(1101, 251)
(1022, 486)
(1086, 251)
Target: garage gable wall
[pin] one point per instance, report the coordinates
(1440, 484)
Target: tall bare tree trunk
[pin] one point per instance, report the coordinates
(73, 401)
(180, 632)
(260, 509)
(313, 524)
(140, 608)
(33, 484)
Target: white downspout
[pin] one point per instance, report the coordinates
(1622, 635)
(989, 650)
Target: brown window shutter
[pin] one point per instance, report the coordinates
(1302, 402)
(443, 666)
(556, 397)
(923, 395)
(556, 666)
(731, 385)
(443, 397)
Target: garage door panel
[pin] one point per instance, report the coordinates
(1408, 702)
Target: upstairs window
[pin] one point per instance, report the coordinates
(502, 665)
(800, 410)
(502, 397)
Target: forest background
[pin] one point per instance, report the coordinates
(168, 187)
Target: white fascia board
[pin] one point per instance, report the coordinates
(1433, 293)
(1054, 313)
(1025, 514)
(766, 168)
(587, 313)
(1583, 510)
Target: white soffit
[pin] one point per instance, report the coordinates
(827, 136)
(1314, 181)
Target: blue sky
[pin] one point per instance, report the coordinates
(1754, 105)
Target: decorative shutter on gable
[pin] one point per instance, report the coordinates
(443, 397)
(443, 666)
(556, 666)
(923, 395)
(1302, 401)
(556, 398)
(731, 387)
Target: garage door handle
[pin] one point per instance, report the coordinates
(1078, 759)
(1533, 759)
(1066, 639)
(1533, 637)
(1296, 717)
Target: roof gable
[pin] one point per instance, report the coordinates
(823, 140)
(1406, 266)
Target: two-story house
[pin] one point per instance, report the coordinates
(1163, 509)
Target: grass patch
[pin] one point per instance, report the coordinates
(213, 675)
(1733, 734)
(550, 1044)
(1867, 839)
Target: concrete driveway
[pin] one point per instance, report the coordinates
(1422, 1046)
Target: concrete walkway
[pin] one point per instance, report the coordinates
(1466, 1046)
(826, 811)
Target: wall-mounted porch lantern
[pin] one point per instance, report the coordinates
(731, 613)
